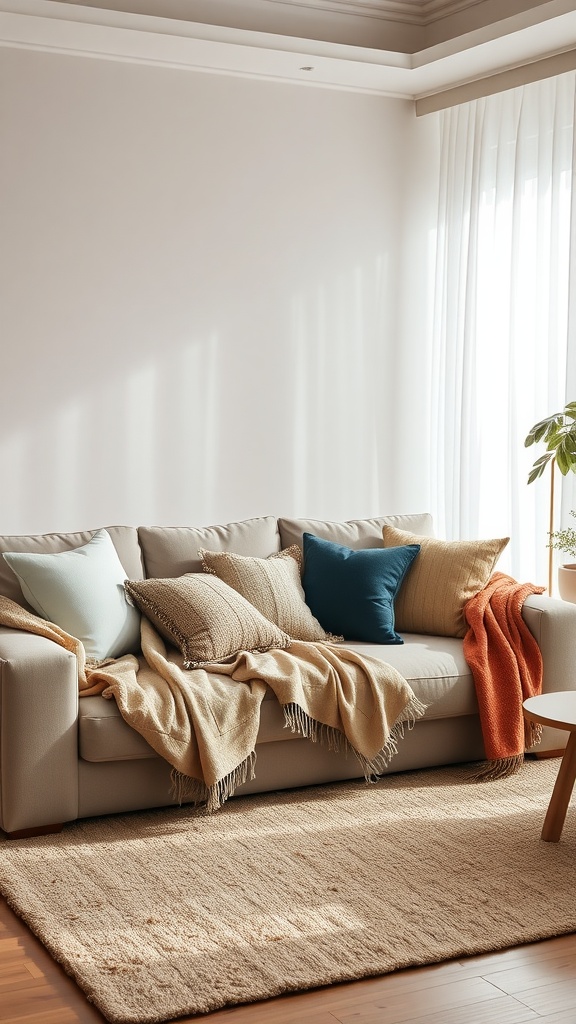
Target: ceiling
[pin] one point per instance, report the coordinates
(432, 51)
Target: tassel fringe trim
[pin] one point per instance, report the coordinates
(532, 733)
(503, 767)
(300, 722)
(210, 798)
(500, 768)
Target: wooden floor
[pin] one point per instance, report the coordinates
(528, 983)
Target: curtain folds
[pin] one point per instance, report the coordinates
(502, 339)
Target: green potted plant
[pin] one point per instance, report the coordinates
(565, 540)
(558, 433)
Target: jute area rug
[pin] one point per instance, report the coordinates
(165, 913)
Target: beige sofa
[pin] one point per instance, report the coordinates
(63, 758)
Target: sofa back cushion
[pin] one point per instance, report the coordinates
(170, 551)
(125, 539)
(353, 533)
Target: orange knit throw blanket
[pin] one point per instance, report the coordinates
(506, 664)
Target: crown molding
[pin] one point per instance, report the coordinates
(548, 67)
(408, 12)
(57, 27)
(426, 12)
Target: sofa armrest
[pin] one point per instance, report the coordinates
(38, 732)
(553, 623)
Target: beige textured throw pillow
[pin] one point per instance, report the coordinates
(204, 617)
(441, 579)
(272, 585)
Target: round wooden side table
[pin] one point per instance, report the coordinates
(559, 711)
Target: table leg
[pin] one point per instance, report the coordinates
(556, 813)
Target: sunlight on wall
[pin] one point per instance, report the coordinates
(337, 341)
(203, 275)
(64, 461)
(15, 474)
(138, 442)
(167, 445)
(140, 448)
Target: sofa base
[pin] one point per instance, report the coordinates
(115, 787)
(40, 830)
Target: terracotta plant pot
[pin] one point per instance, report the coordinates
(567, 582)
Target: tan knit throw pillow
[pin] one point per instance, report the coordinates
(441, 579)
(272, 585)
(204, 617)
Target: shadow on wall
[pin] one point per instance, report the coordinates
(96, 451)
(201, 320)
(269, 414)
(339, 395)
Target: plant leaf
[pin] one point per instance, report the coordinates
(538, 430)
(553, 435)
(559, 435)
(571, 441)
(566, 452)
(562, 460)
(535, 472)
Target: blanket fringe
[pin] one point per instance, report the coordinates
(299, 721)
(296, 719)
(501, 768)
(532, 733)
(210, 798)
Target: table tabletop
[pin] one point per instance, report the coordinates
(557, 709)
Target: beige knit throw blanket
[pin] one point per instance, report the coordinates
(205, 721)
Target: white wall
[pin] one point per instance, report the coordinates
(200, 295)
(411, 475)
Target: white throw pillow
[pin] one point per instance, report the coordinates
(82, 591)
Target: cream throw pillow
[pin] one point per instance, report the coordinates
(204, 617)
(441, 579)
(272, 585)
(82, 591)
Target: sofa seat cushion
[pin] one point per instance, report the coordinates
(105, 736)
(434, 666)
(436, 669)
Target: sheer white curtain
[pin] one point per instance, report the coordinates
(501, 325)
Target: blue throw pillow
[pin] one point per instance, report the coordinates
(352, 593)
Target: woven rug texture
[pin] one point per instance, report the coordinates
(165, 913)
